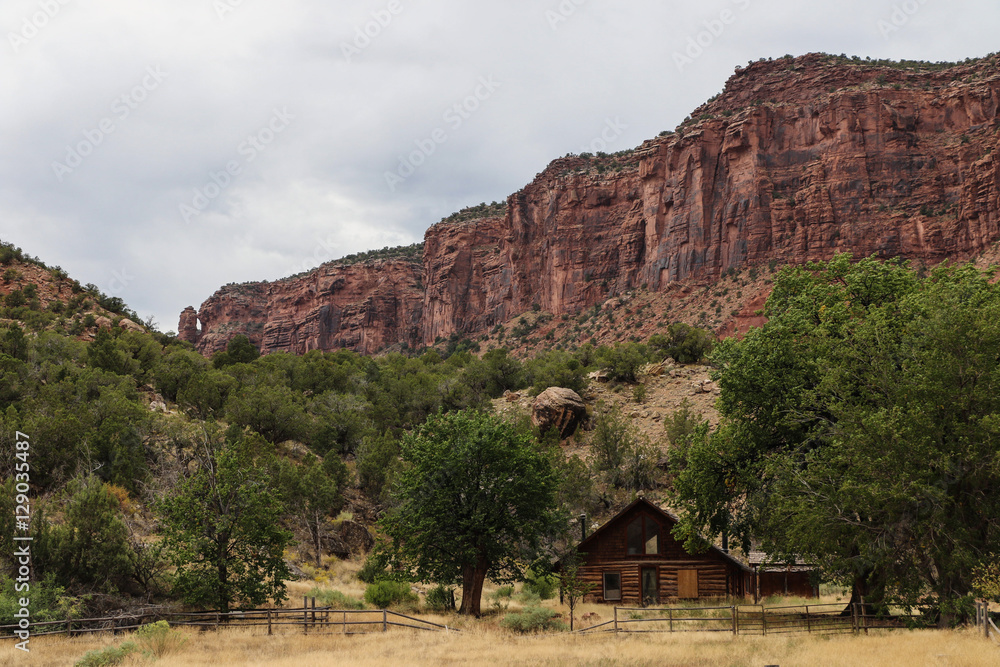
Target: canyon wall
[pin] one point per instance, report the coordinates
(794, 161)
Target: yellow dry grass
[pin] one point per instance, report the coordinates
(488, 646)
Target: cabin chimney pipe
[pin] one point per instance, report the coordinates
(725, 541)
(583, 527)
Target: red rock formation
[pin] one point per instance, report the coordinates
(795, 161)
(188, 327)
(365, 307)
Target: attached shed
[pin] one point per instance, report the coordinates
(634, 559)
(782, 579)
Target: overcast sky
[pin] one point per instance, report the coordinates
(162, 149)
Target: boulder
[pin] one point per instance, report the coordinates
(355, 538)
(129, 325)
(559, 408)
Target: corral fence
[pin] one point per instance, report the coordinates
(759, 620)
(310, 619)
(985, 622)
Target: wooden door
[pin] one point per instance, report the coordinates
(687, 584)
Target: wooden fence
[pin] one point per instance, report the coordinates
(310, 619)
(984, 621)
(755, 620)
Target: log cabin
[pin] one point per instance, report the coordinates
(634, 559)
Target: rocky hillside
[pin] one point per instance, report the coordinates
(795, 160)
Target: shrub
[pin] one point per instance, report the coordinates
(639, 393)
(335, 599)
(542, 584)
(16, 299)
(157, 639)
(441, 598)
(374, 569)
(109, 655)
(533, 619)
(384, 594)
(500, 598)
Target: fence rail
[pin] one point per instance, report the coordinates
(310, 618)
(756, 619)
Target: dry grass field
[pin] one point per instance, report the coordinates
(484, 642)
(496, 648)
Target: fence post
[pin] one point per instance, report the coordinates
(69, 626)
(670, 615)
(808, 621)
(218, 617)
(736, 623)
(345, 622)
(616, 619)
(763, 620)
(305, 614)
(269, 631)
(314, 611)
(385, 621)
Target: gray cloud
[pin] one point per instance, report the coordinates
(367, 84)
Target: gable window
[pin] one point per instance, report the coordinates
(634, 537)
(612, 586)
(642, 536)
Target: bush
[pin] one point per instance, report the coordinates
(374, 569)
(384, 594)
(157, 639)
(623, 362)
(686, 344)
(533, 619)
(109, 655)
(500, 598)
(335, 599)
(542, 584)
(441, 598)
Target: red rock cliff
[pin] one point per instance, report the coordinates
(796, 160)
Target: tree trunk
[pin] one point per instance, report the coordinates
(316, 540)
(862, 592)
(223, 586)
(473, 577)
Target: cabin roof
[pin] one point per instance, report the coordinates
(669, 516)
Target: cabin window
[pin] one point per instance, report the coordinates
(634, 537)
(652, 538)
(612, 586)
(642, 537)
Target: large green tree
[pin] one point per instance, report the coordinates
(222, 528)
(859, 429)
(474, 498)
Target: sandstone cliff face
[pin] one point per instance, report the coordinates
(364, 307)
(795, 161)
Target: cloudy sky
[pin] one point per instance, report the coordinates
(162, 149)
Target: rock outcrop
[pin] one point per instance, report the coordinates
(558, 408)
(794, 161)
